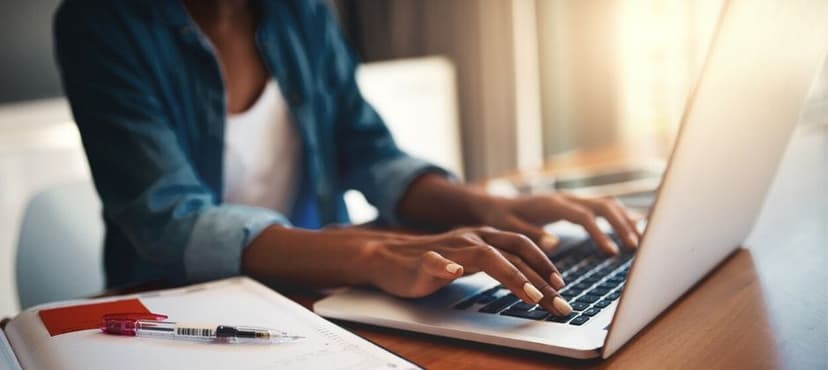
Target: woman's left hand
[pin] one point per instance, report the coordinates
(528, 214)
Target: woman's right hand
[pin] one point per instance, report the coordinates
(417, 266)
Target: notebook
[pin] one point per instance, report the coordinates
(26, 343)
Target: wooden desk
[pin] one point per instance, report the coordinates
(764, 307)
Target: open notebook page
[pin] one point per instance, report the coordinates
(8, 360)
(236, 301)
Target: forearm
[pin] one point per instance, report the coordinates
(434, 200)
(320, 259)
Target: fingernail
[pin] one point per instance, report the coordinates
(534, 294)
(613, 247)
(633, 239)
(557, 280)
(549, 242)
(453, 268)
(561, 305)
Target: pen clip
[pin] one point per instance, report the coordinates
(135, 316)
(126, 323)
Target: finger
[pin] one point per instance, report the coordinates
(548, 242)
(630, 219)
(635, 221)
(490, 260)
(438, 266)
(613, 213)
(528, 251)
(552, 301)
(581, 215)
(641, 225)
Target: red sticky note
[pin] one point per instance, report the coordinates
(87, 316)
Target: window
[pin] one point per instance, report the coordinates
(618, 71)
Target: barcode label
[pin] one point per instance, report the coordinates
(195, 330)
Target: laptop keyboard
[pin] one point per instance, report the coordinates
(594, 281)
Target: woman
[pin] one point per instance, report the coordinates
(222, 135)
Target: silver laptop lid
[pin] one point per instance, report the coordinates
(734, 130)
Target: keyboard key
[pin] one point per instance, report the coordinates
(591, 279)
(486, 299)
(533, 315)
(614, 295)
(582, 286)
(615, 279)
(608, 285)
(615, 264)
(522, 306)
(500, 303)
(466, 304)
(571, 293)
(618, 276)
(602, 304)
(494, 290)
(579, 306)
(572, 274)
(598, 291)
(561, 319)
(603, 272)
(580, 320)
(588, 298)
(592, 311)
(621, 274)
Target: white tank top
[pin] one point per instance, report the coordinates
(262, 154)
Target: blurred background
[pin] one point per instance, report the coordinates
(485, 88)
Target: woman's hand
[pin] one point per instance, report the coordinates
(404, 265)
(527, 215)
(417, 266)
(433, 200)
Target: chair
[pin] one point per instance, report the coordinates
(59, 252)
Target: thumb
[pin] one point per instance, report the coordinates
(548, 242)
(440, 267)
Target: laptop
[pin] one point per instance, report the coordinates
(735, 127)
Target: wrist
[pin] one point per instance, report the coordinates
(485, 207)
(367, 265)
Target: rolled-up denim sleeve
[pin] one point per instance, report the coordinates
(384, 183)
(219, 236)
(148, 185)
(370, 160)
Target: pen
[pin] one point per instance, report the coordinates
(142, 324)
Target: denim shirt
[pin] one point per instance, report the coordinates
(148, 96)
